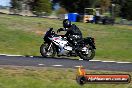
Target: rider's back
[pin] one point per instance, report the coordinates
(74, 30)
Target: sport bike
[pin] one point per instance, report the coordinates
(58, 45)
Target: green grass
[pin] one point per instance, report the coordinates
(18, 42)
(35, 77)
(18, 35)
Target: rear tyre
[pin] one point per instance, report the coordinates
(89, 56)
(47, 53)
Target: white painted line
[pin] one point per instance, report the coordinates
(77, 66)
(124, 62)
(108, 61)
(9, 55)
(3, 54)
(40, 64)
(80, 59)
(30, 56)
(94, 60)
(57, 65)
(14, 55)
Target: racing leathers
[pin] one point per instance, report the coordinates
(73, 34)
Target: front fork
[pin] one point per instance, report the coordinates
(49, 46)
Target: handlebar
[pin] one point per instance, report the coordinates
(53, 33)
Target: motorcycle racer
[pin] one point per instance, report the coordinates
(73, 33)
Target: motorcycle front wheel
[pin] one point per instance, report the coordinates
(89, 56)
(47, 50)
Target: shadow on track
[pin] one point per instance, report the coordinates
(40, 57)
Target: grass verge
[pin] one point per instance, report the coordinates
(36, 77)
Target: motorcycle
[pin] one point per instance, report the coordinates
(58, 44)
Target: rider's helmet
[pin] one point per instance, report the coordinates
(66, 23)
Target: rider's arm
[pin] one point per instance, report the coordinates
(62, 29)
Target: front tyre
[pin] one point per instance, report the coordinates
(47, 50)
(89, 56)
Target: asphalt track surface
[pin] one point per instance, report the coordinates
(64, 63)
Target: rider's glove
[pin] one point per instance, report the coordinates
(61, 29)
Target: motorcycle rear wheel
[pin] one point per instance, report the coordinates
(45, 52)
(89, 56)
